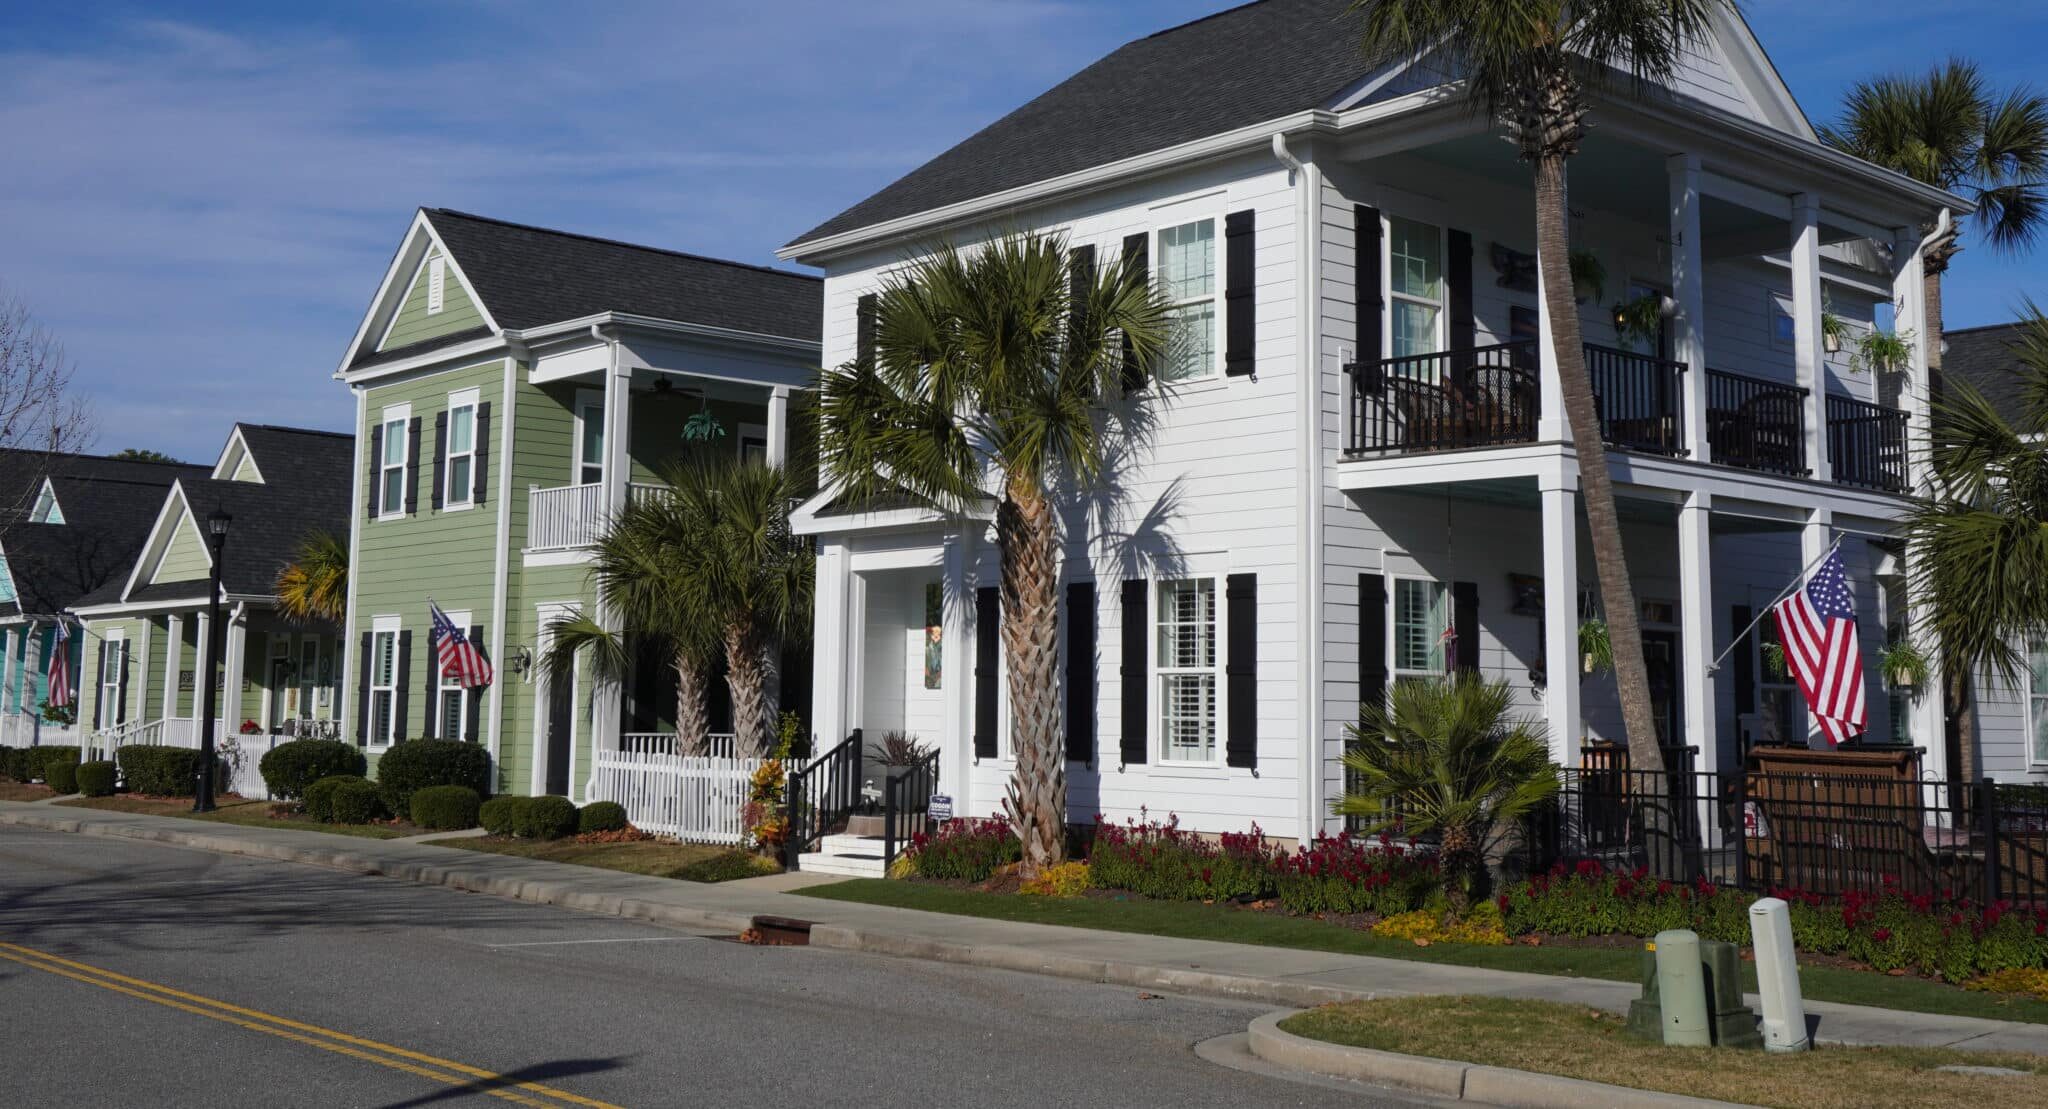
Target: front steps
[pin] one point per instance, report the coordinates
(846, 855)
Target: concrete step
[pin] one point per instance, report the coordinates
(853, 845)
(850, 866)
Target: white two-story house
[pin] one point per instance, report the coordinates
(1361, 469)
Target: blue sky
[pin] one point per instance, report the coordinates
(200, 198)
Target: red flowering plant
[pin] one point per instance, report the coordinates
(966, 850)
(1165, 861)
(1347, 874)
(250, 727)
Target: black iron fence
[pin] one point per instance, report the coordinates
(1449, 400)
(1756, 424)
(906, 797)
(1826, 834)
(1640, 398)
(1867, 444)
(821, 796)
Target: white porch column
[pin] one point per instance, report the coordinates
(174, 650)
(1909, 298)
(138, 708)
(231, 686)
(618, 474)
(1559, 493)
(778, 425)
(1814, 539)
(31, 665)
(1927, 722)
(1551, 424)
(202, 667)
(1807, 355)
(7, 670)
(1688, 290)
(828, 651)
(1696, 642)
(956, 678)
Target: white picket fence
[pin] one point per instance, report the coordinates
(693, 799)
(19, 729)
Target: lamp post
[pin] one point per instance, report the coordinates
(217, 539)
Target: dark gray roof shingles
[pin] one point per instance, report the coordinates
(1983, 356)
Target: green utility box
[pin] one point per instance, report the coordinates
(1732, 1023)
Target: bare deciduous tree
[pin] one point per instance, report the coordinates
(40, 416)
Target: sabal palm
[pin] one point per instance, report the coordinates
(1004, 364)
(1979, 545)
(1448, 757)
(314, 584)
(1949, 128)
(1528, 65)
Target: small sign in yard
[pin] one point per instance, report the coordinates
(940, 808)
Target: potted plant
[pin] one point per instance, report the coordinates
(1596, 650)
(58, 714)
(1774, 660)
(1639, 320)
(1589, 277)
(1883, 351)
(898, 753)
(1903, 664)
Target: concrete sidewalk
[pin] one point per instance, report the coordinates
(1282, 976)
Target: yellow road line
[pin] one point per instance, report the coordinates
(490, 1082)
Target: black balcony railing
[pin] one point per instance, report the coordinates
(1450, 400)
(1756, 424)
(1867, 444)
(1641, 399)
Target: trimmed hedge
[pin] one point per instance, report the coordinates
(14, 763)
(419, 763)
(601, 816)
(289, 768)
(96, 778)
(728, 866)
(445, 808)
(318, 802)
(545, 818)
(159, 771)
(500, 815)
(355, 801)
(60, 773)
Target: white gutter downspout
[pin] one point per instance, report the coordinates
(1941, 226)
(1308, 183)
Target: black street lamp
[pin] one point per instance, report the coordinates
(216, 538)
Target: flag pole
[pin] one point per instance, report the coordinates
(1798, 580)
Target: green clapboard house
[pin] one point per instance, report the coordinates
(514, 386)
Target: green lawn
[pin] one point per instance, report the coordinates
(1577, 1042)
(651, 857)
(1189, 920)
(234, 810)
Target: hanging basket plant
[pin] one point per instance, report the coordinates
(1596, 650)
(1884, 352)
(1774, 661)
(1640, 320)
(1834, 332)
(1589, 277)
(1904, 664)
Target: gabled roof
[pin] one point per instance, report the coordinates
(298, 457)
(106, 522)
(1983, 356)
(22, 473)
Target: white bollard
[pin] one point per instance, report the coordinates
(1777, 976)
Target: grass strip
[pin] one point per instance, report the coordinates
(649, 857)
(246, 814)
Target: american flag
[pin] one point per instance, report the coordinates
(1817, 627)
(458, 657)
(60, 667)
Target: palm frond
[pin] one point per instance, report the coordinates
(580, 635)
(313, 586)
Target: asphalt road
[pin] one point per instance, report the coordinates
(140, 974)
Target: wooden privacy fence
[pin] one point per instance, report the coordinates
(694, 799)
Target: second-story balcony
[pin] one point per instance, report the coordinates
(571, 516)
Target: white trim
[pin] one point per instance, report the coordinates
(222, 471)
(537, 774)
(49, 489)
(346, 710)
(153, 547)
(1155, 730)
(381, 626)
(583, 399)
(501, 557)
(401, 415)
(458, 400)
(1395, 672)
(420, 225)
(437, 285)
(1442, 304)
(463, 620)
(1218, 267)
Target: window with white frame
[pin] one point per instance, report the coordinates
(110, 680)
(1415, 280)
(437, 283)
(391, 464)
(46, 510)
(2037, 700)
(589, 438)
(1187, 279)
(384, 723)
(461, 464)
(1188, 670)
(452, 701)
(1421, 624)
(309, 665)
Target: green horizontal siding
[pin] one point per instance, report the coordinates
(414, 324)
(185, 559)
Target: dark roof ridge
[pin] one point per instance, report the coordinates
(2007, 326)
(631, 246)
(100, 457)
(1198, 19)
(296, 430)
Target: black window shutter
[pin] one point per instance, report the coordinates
(412, 467)
(1138, 261)
(482, 443)
(1372, 639)
(370, 491)
(1742, 661)
(476, 695)
(988, 623)
(440, 457)
(1241, 670)
(99, 683)
(1458, 282)
(363, 691)
(1465, 625)
(430, 690)
(864, 329)
(1240, 313)
(1137, 676)
(403, 684)
(121, 704)
(1371, 305)
(1081, 671)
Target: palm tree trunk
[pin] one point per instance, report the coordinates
(1596, 488)
(693, 719)
(1931, 287)
(1027, 531)
(753, 735)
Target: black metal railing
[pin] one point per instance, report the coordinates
(1641, 399)
(821, 796)
(1756, 424)
(906, 796)
(1867, 444)
(1449, 400)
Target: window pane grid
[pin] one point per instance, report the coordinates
(1187, 278)
(1419, 613)
(1186, 668)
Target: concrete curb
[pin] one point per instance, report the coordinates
(1445, 1078)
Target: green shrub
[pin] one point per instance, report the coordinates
(318, 801)
(545, 818)
(419, 763)
(356, 801)
(60, 773)
(290, 767)
(96, 778)
(445, 808)
(964, 850)
(601, 816)
(727, 866)
(159, 771)
(14, 763)
(500, 816)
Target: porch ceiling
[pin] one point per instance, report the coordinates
(1521, 492)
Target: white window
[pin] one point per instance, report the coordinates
(46, 510)
(1187, 669)
(309, 667)
(589, 438)
(110, 683)
(384, 723)
(452, 701)
(437, 283)
(461, 464)
(1415, 280)
(1421, 625)
(1187, 279)
(2037, 699)
(391, 464)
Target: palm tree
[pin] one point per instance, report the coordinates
(1010, 359)
(314, 584)
(1950, 129)
(1528, 64)
(1980, 543)
(1446, 756)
